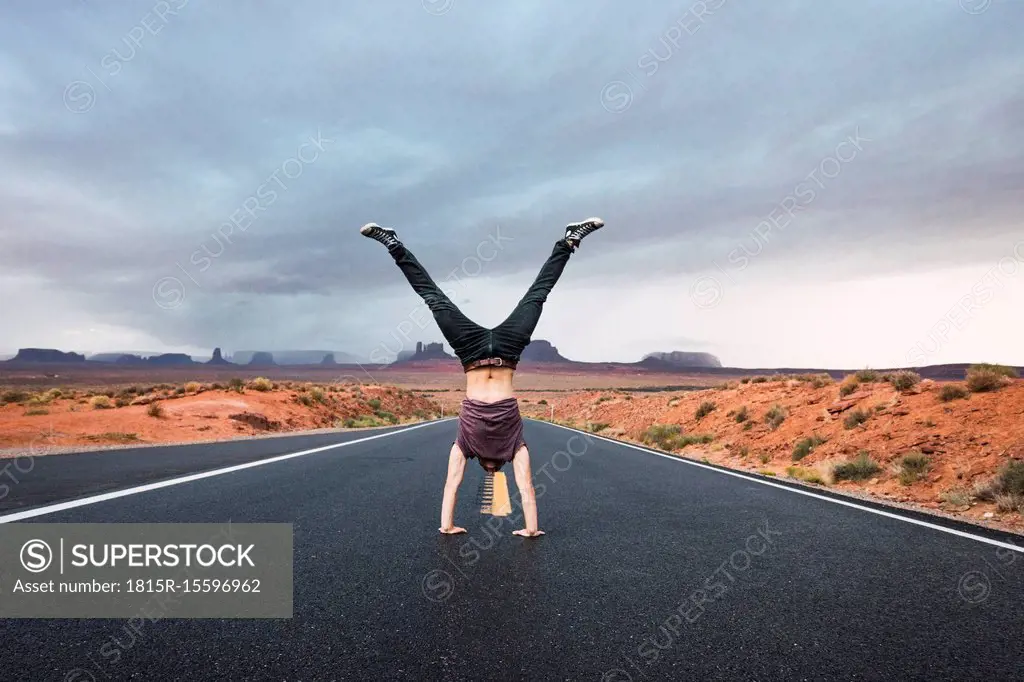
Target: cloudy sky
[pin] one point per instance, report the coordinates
(793, 183)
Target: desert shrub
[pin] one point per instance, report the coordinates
(958, 497)
(866, 376)
(806, 446)
(155, 410)
(912, 467)
(744, 451)
(672, 402)
(115, 436)
(122, 401)
(53, 394)
(984, 380)
(13, 397)
(597, 427)
(317, 394)
(374, 403)
(694, 439)
(602, 399)
(745, 380)
(236, 385)
(849, 385)
(759, 380)
(387, 416)
(1001, 370)
(101, 402)
(705, 408)
(860, 468)
(855, 418)
(362, 422)
(36, 412)
(542, 402)
(261, 384)
(766, 472)
(765, 457)
(193, 387)
(986, 490)
(806, 475)
(950, 392)
(904, 380)
(304, 399)
(217, 386)
(821, 381)
(775, 416)
(661, 435)
(1011, 478)
(748, 426)
(1007, 502)
(742, 415)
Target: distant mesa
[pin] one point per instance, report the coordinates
(262, 359)
(425, 351)
(217, 359)
(49, 355)
(542, 351)
(128, 359)
(678, 358)
(328, 359)
(404, 355)
(170, 360)
(295, 357)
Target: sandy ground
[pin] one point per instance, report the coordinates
(204, 415)
(966, 441)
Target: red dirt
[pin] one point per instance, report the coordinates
(967, 441)
(207, 415)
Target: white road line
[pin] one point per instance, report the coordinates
(751, 479)
(103, 497)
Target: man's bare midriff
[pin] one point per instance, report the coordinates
(489, 384)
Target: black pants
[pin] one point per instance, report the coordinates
(469, 340)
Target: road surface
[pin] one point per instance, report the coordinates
(653, 568)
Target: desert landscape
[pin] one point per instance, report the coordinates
(951, 447)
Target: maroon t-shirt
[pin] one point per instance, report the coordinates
(490, 430)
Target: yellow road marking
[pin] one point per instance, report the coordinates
(501, 504)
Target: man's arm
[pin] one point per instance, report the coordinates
(456, 467)
(524, 481)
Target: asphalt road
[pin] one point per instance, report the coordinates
(652, 569)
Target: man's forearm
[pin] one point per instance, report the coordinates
(451, 493)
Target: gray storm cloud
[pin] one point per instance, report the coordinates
(140, 144)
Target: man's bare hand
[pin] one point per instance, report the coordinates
(528, 533)
(454, 530)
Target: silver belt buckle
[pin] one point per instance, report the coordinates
(499, 362)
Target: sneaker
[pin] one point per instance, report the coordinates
(385, 235)
(575, 232)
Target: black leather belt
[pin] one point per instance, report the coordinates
(489, 362)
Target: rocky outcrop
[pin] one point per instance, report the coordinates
(542, 351)
(217, 358)
(328, 360)
(262, 359)
(680, 358)
(430, 351)
(128, 359)
(257, 421)
(170, 360)
(49, 355)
